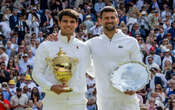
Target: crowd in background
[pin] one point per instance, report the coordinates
(24, 24)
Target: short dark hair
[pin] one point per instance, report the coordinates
(108, 9)
(68, 12)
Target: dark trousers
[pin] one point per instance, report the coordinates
(21, 35)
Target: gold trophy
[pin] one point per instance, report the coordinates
(63, 67)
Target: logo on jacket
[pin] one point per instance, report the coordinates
(120, 46)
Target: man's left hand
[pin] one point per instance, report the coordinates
(52, 37)
(129, 92)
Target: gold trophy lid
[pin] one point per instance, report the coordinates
(61, 52)
(63, 58)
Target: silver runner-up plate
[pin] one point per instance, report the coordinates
(132, 76)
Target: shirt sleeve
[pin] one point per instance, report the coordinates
(40, 67)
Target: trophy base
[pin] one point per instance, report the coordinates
(67, 89)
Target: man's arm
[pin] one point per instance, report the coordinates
(40, 67)
(90, 69)
(39, 70)
(135, 53)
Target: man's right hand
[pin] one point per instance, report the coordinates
(52, 37)
(57, 88)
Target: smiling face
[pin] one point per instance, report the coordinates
(109, 18)
(68, 21)
(109, 21)
(68, 25)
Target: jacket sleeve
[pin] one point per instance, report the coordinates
(90, 69)
(135, 53)
(40, 67)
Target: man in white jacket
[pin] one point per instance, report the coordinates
(108, 51)
(56, 98)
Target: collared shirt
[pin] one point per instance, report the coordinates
(23, 66)
(156, 59)
(23, 100)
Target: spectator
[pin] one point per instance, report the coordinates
(151, 104)
(4, 103)
(161, 95)
(11, 65)
(10, 52)
(151, 63)
(30, 57)
(32, 16)
(4, 74)
(156, 58)
(153, 19)
(35, 101)
(6, 91)
(21, 29)
(172, 30)
(170, 73)
(29, 83)
(122, 17)
(3, 56)
(160, 37)
(170, 91)
(5, 27)
(154, 5)
(14, 44)
(88, 22)
(23, 64)
(12, 87)
(97, 28)
(98, 6)
(13, 20)
(27, 92)
(55, 5)
(167, 56)
(40, 37)
(19, 101)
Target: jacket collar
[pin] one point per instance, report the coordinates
(117, 35)
(64, 39)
